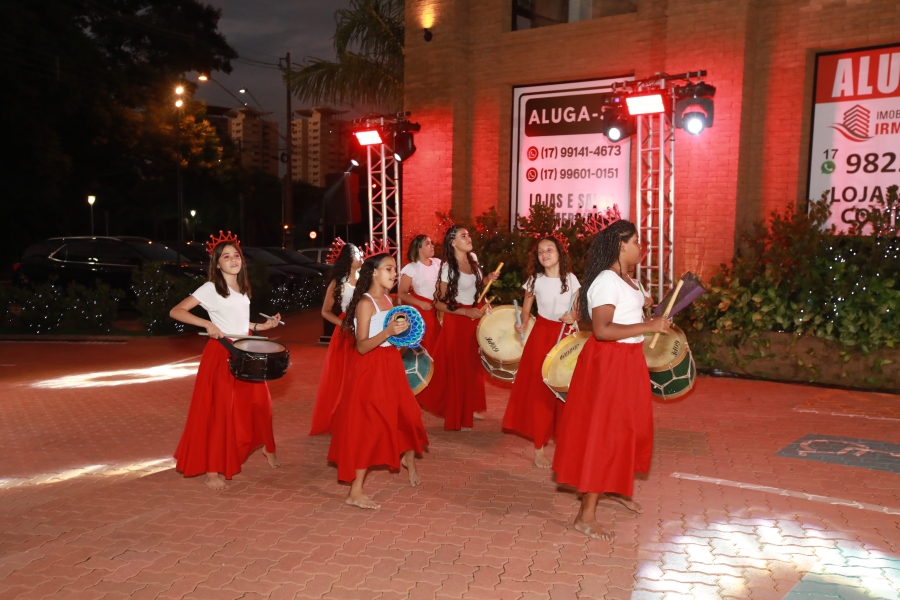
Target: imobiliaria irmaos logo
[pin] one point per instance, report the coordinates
(856, 124)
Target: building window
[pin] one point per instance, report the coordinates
(529, 14)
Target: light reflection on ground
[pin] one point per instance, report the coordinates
(143, 468)
(123, 377)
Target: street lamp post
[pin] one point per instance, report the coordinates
(91, 200)
(193, 221)
(180, 238)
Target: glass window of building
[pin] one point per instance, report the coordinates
(529, 14)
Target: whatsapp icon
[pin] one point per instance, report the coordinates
(828, 167)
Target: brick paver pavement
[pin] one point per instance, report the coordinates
(90, 506)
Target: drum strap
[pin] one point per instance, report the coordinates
(229, 346)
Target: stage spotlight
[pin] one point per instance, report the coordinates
(354, 162)
(694, 107)
(368, 137)
(645, 104)
(617, 123)
(404, 146)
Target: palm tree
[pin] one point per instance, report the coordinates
(369, 68)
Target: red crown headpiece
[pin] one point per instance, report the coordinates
(335, 250)
(562, 240)
(215, 241)
(594, 223)
(374, 247)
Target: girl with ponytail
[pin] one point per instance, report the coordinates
(606, 432)
(418, 279)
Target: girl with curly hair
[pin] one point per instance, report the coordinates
(606, 432)
(418, 280)
(533, 411)
(456, 391)
(378, 421)
(340, 354)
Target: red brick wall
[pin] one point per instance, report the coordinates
(759, 55)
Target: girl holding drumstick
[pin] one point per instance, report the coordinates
(340, 352)
(228, 418)
(417, 282)
(533, 410)
(456, 391)
(606, 433)
(378, 419)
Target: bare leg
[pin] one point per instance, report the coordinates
(215, 481)
(408, 460)
(586, 521)
(540, 459)
(273, 460)
(625, 501)
(356, 496)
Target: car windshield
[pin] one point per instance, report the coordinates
(151, 251)
(257, 254)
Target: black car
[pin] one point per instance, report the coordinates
(258, 254)
(296, 258)
(198, 253)
(85, 260)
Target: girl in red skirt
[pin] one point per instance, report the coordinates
(456, 391)
(418, 280)
(606, 432)
(378, 421)
(340, 354)
(533, 410)
(228, 418)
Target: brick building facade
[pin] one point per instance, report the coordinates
(759, 54)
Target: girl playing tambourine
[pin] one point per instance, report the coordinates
(418, 280)
(340, 354)
(228, 418)
(606, 432)
(533, 411)
(378, 421)
(456, 390)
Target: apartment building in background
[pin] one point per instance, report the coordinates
(256, 138)
(321, 141)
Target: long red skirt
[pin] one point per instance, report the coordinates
(457, 384)
(533, 410)
(606, 432)
(339, 361)
(228, 419)
(432, 325)
(378, 418)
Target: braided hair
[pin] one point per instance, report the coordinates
(535, 267)
(340, 273)
(453, 271)
(603, 254)
(366, 275)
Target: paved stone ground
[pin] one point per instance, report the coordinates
(90, 506)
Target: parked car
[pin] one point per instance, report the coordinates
(85, 260)
(196, 251)
(258, 254)
(296, 258)
(319, 255)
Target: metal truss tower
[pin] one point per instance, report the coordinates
(384, 197)
(656, 201)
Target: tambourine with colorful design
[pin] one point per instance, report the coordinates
(412, 337)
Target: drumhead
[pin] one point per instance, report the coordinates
(497, 336)
(670, 349)
(560, 363)
(259, 346)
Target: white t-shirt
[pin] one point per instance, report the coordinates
(608, 288)
(424, 278)
(346, 295)
(231, 315)
(466, 290)
(551, 303)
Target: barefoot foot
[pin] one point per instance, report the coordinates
(593, 529)
(273, 460)
(362, 501)
(626, 502)
(414, 479)
(478, 416)
(540, 459)
(215, 481)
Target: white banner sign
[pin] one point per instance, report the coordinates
(560, 156)
(855, 148)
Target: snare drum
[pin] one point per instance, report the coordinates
(258, 360)
(671, 365)
(560, 363)
(499, 344)
(419, 368)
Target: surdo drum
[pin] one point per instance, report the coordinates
(560, 363)
(671, 365)
(499, 344)
(258, 360)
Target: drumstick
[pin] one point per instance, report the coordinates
(488, 286)
(236, 336)
(268, 317)
(519, 319)
(563, 328)
(668, 309)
